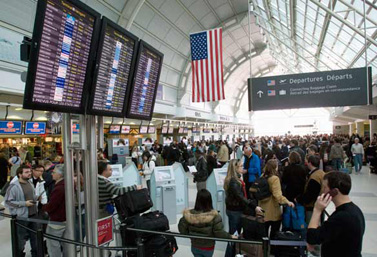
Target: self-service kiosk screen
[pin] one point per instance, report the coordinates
(116, 171)
(164, 174)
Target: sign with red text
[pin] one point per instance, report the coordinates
(104, 228)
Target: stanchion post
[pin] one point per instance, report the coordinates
(140, 248)
(40, 247)
(13, 230)
(266, 246)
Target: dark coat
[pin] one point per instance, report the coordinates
(202, 224)
(294, 180)
(202, 171)
(235, 199)
(56, 205)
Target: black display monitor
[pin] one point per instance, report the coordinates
(115, 61)
(62, 54)
(145, 82)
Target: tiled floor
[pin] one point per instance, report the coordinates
(363, 193)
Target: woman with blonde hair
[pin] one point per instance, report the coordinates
(273, 214)
(236, 197)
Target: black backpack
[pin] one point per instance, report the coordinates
(260, 188)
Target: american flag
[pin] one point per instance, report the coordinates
(207, 66)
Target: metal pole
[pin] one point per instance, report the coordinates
(78, 193)
(248, 18)
(87, 192)
(366, 49)
(40, 247)
(101, 137)
(69, 186)
(13, 231)
(92, 176)
(140, 248)
(266, 244)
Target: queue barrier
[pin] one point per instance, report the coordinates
(140, 248)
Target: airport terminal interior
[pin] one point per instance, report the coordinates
(128, 81)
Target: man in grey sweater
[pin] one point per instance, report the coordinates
(21, 201)
(357, 150)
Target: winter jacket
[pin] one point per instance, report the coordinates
(271, 203)
(298, 150)
(40, 190)
(56, 205)
(15, 199)
(202, 224)
(254, 168)
(223, 154)
(313, 189)
(336, 152)
(148, 168)
(235, 199)
(211, 164)
(202, 171)
(294, 180)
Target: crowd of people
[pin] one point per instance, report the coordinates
(297, 171)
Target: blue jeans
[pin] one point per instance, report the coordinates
(358, 161)
(201, 253)
(337, 163)
(234, 218)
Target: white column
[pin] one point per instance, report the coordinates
(360, 128)
(352, 128)
(373, 127)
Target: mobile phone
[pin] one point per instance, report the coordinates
(34, 202)
(333, 192)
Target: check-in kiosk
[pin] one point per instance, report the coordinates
(215, 185)
(163, 192)
(119, 147)
(181, 182)
(126, 176)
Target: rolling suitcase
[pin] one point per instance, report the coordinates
(289, 251)
(249, 250)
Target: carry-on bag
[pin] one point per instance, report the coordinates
(286, 250)
(249, 250)
(156, 221)
(160, 246)
(253, 227)
(294, 218)
(132, 203)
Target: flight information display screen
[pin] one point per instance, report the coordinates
(145, 82)
(64, 34)
(115, 62)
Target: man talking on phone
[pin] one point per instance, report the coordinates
(342, 234)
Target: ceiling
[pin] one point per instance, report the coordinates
(286, 36)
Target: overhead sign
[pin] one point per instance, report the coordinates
(104, 229)
(36, 128)
(10, 127)
(373, 117)
(318, 89)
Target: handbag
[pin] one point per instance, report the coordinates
(253, 227)
(133, 202)
(294, 218)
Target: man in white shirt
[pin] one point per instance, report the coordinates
(357, 150)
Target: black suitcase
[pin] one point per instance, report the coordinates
(289, 251)
(132, 203)
(253, 227)
(160, 246)
(156, 221)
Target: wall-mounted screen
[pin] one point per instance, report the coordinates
(185, 130)
(164, 130)
(35, 128)
(125, 129)
(151, 130)
(10, 127)
(114, 129)
(64, 43)
(143, 129)
(112, 78)
(145, 82)
(180, 131)
(171, 130)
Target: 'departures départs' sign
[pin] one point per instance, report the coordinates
(318, 89)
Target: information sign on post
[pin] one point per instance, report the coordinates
(104, 228)
(318, 89)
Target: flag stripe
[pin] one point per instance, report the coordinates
(193, 80)
(208, 94)
(221, 66)
(202, 75)
(211, 57)
(217, 67)
(197, 82)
